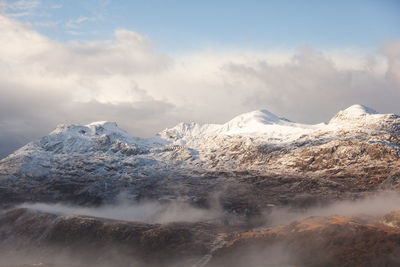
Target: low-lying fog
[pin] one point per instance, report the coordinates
(376, 204)
(175, 211)
(148, 212)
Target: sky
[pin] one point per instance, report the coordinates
(149, 65)
(182, 25)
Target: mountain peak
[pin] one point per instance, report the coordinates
(94, 128)
(105, 127)
(96, 136)
(258, 122)
(353, 112)
(359, 110)
(106, 124)
(261, 116)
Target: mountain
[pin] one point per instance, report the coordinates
(199, 195)
(277, 160)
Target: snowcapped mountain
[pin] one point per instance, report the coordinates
(102, 159)
(257, 124)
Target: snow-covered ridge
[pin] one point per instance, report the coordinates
(94, 129)
(265, 125)
(260, 126)
(259, 123)
(96, 137)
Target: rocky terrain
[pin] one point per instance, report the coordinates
(317, 241)
(37, 237)
(241, 172)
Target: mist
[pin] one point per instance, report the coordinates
(375, 204)
(147, 212)
(150, 211)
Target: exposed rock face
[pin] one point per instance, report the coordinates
(31, 237)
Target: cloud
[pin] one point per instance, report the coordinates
(375, 204)
(56, 6)
(75, 23)
(148, 212)
(47, 83)
(20, 8)
(23, 5)
(311, 86)
(47, 24)
(129, 80)
(392, 51)
(305, 85)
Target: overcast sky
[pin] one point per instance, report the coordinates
(150, 65)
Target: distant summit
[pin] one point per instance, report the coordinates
(358, 110)
(261, 116)
(352, 113)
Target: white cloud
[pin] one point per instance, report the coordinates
(20, 8)
(46, 24)
(392, 50)
(128, 80)
(75, 23)
(56, 6)
(23, 5)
